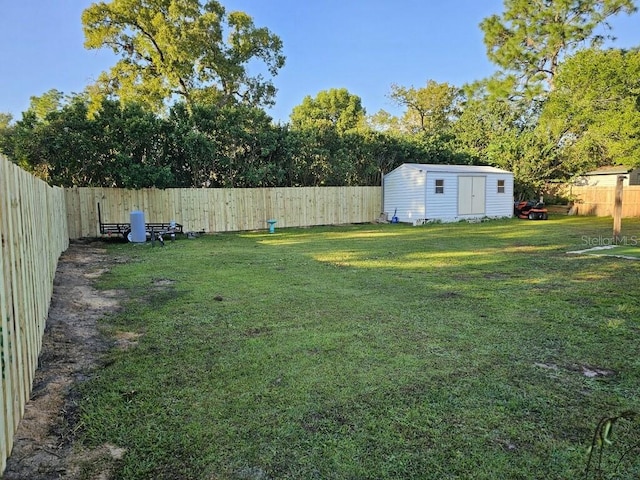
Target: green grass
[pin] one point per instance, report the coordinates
(371, 352)
(631, 251)
(625, 251)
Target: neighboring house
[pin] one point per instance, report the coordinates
(416, 193)
(608, 176)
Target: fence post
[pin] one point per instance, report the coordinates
(617, 209)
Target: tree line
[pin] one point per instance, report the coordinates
(126, 146)
(180, 109)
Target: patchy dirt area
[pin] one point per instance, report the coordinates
(72, 348)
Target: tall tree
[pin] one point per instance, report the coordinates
(485, 122)
(429, 110)
(532, 37)
(46, 103)
(506, 134)
(595, 108)
(183, 49)
(335, 108)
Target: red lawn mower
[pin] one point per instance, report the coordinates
(530, 210)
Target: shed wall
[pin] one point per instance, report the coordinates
(413, 193)
(602, 180)
(632, 178)
(442, 206)
(499, 204)
(404, 190)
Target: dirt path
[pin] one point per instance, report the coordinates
(72, 348)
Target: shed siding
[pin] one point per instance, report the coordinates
(605, 180)
(404, 192)
(499, 204)
(411, 188)
(609, 180)
(444, 205)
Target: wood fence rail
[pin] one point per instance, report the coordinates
(222, 210)
(33, 227)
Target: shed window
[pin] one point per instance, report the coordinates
(500, 186)
(439, 186)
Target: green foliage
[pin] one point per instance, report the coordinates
(429, 110)
(529, 42)
(531, 39)
(505, 134)
(47, 103)
(231, 146)
(534, 158)
(484, 123)
(335, 109)
(383, 121)
(6, 132)
(181, 48)
(594, 109)
(427, 124)
(205, 146)
(5, 120)
(359, 157)
(334, 145)
(543, 116)
(376, 351)
(116, 148)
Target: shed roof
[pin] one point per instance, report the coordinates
(431, 167)
(610, 170)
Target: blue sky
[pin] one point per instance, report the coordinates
(362, 45)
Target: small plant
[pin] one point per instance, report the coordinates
(601, 440)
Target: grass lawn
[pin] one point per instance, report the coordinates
(625, 251)
(372, 352)
(631, 251)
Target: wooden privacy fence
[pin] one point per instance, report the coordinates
(33, 224)
(599, 201)
(37, 221)
(222, 210)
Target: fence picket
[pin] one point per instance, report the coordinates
(37, 221)
(34, 232)
(599, 201)
(222, 210)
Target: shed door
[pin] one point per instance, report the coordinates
(471, 195)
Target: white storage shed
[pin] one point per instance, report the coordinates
(416, 192)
